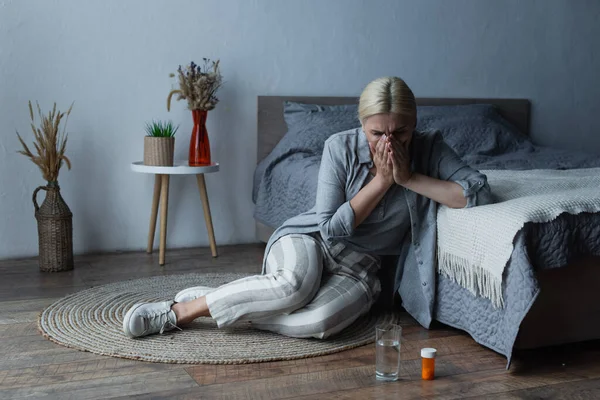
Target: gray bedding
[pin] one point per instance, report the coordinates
(285, 185)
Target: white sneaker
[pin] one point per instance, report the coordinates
(147, 318)
(192, 293)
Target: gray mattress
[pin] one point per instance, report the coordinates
(285, 185)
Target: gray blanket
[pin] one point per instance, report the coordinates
(285, 185)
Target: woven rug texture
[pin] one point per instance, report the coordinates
(91, 320)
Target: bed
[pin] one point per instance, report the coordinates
(551, 294)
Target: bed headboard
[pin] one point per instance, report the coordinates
(272, 127)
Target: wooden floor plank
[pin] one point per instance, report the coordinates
(35, 350)
(22, 311)
(477, 384)
(25, 293)
(577, 390)
(217, 374)
(19, 330)
(97, 368)
(106, 387)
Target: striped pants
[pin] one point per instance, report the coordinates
(307, 289)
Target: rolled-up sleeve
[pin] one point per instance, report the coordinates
(452, 168)
(335, 216)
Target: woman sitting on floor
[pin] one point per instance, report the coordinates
(377, 194)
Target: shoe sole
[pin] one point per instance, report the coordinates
(127, 317)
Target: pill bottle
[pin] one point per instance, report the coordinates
(428, 363)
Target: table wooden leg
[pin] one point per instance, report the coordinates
(154, 213)
(164, 205)
(207, 217)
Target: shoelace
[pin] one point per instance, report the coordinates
(172, 325)
(163, 320)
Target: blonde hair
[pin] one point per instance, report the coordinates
(386, 95)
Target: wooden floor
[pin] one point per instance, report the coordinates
(32, 367)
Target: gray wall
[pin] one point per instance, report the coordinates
(113, 58)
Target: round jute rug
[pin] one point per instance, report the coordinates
(91, 320)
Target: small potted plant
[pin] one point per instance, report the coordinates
(159, 143)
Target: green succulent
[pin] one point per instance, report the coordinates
(161, 129)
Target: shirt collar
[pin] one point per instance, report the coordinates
(364, 153)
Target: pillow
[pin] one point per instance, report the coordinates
(474, 129)
(483, 110)
(308, 131)
(294, 113)
(306, 136)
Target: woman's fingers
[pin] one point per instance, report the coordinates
(398, 156)
(397, 143)
(381, 145)
(401, 149)
(384, 153)
(398, 148)
(391, 152)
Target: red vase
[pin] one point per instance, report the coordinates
(199, 145)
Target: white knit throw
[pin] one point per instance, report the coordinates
(475, 244)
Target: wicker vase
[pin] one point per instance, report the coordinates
(158, 151)
(55, 230)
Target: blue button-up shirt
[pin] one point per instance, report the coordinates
(403, 223)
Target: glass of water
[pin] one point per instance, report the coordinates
(387, 363)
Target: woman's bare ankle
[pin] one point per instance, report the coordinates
(188, 311)
(181, 313)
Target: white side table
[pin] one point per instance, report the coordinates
(161, 190)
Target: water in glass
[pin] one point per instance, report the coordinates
(388, 353)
